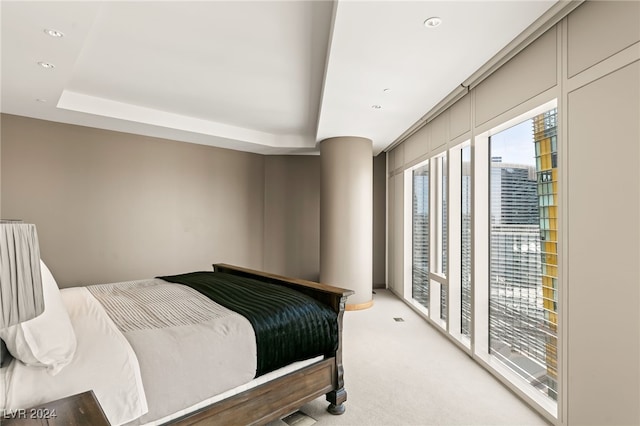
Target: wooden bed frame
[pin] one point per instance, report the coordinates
(283, 395)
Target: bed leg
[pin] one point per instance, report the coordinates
(336, 410)
(336, 400)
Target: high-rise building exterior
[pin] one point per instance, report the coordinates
(516, 308)
(523, 304)
(465, 242)
(421, 241)
(545, 140)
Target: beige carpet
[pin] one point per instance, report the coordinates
(407, 373)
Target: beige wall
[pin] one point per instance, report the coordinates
(112, 206)
(379, 220)
(602, 96)
(590, 63)
(604, 232)
(292, 216)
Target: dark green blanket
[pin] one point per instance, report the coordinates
(289, 325)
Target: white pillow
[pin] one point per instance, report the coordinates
(48, 340)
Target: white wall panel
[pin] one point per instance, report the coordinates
(439, 131)
(528, 74)
(603, 320)
(599, 29)
(396, 159)
(417, 145)
(397, 235)
(460, 118)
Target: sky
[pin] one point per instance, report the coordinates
(515, 144)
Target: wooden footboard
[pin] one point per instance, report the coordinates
(284, 395)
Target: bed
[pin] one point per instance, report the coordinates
(159, 352)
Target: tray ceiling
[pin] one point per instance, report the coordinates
(271, 77)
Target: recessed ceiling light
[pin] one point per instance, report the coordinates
(41, 100)
(376, 106)
(387, 90)
(432, 22)
(46, 65)
(53, 33)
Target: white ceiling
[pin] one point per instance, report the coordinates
(271, 77)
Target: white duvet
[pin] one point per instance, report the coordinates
(188, 346)
(134, 380)
(104, 362)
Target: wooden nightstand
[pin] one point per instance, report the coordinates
(76, 410)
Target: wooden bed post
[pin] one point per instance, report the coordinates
(338, 396)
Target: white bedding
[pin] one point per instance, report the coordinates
(188, 346)
(135, 382)
(104, 362)
(146, 348)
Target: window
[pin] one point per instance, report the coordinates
(523, 250)
(429, 243)
(457, 214)
(465, 240)
(420, 235)
(441, 224)
(440, 232)
(483, 225)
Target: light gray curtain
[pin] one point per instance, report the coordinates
(21, 297)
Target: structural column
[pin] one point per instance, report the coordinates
(346, 217)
